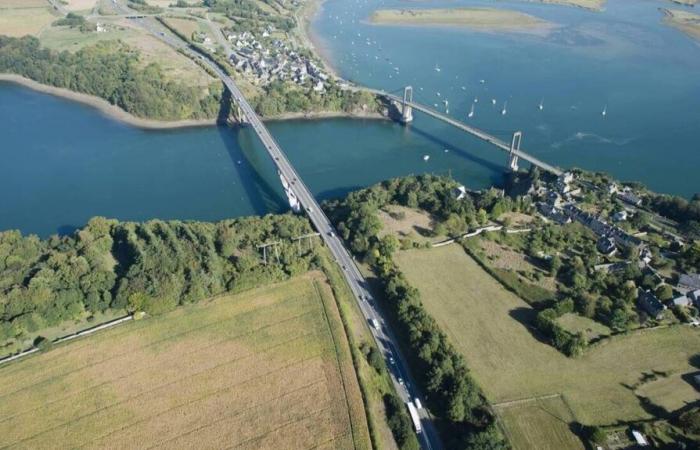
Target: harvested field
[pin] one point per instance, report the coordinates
(542, 424)
(27, 19)
(269, 368)
(23, 4)
(591, 329)
(490, 326)
(80, 5)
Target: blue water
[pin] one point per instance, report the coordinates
(62, 163)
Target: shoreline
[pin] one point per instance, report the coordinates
(103, 106)
(114, 112)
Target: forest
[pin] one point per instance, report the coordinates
(151, 267)
(113, 71)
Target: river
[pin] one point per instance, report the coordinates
(62, 162)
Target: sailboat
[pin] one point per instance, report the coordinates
(437, 68)
(504, 110)
(471, 112)
(541, 106)
(493, 101)
(447, 107)
(605, 111)
(476, 100)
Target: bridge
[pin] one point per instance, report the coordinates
(406, 105)
(300, 198)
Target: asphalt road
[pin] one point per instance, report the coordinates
(384, 338)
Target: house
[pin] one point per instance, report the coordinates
(645, 255)
(630, 197)
(640, 439)
(612, 188)
(620, 216)
(459, 192)
(681, 300)
(689, 281)
(606, 246)
(650, 304)
(695, 297)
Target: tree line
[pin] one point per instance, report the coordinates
(151, 267)
(464, 415)
(113, 71)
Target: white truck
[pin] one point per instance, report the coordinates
(415, 418)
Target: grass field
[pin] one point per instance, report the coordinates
(257, 370)
(539, 424)
(19, 17)
(490, 327)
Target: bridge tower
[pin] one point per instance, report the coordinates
(407, 110)
(514, 147)
(291, 196)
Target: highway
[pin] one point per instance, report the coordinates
(384, 338)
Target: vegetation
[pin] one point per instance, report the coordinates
(74, 20)
(113, 71)
(451, 393)
(686, 213)
(247, 15)
(279, 98)
(268, 368)
(151, 267)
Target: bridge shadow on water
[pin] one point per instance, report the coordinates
(469, 156)
(256, 173)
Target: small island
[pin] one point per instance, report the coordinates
(594, 5)
(483, 19)
(687, 22)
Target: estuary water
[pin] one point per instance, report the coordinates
(62, 162)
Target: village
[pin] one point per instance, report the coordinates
(560, 202)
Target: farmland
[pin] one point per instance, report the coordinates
(269, 368)
(20, 17)
(490, 326)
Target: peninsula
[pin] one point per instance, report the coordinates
(482, 19)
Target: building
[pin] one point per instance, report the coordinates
(689, 281)
(695, 296)
(640, 439)
(620, 216)
(459, 192)
(648, 302)
(606, 246)
(630, 197)
(681, 300)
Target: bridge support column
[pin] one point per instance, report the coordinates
(514, 147)
(291, 196)
(406, 110)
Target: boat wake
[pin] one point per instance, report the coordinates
(592, 137)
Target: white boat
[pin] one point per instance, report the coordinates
(482, 81)
(471, 112)
(504, 110)
(476, 100)
(605, 111)
(437, 68)
(493, 101)
(541, 105)
(426, 157)
(439, 95)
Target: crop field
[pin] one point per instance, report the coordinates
(490, 326)
(542, 424)
(269, 368)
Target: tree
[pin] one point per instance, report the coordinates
(664, 292)
(690, 421)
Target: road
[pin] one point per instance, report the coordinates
(384, 338)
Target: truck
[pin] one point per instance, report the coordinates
(415, 418)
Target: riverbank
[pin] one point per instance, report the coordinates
(102, 105)
(480, 19)
(118, 114)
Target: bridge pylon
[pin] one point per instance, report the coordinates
(514, 147)
(406, 109)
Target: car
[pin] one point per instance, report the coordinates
(401, 381)
(331, 234)
(375, 324)
(391, 360)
